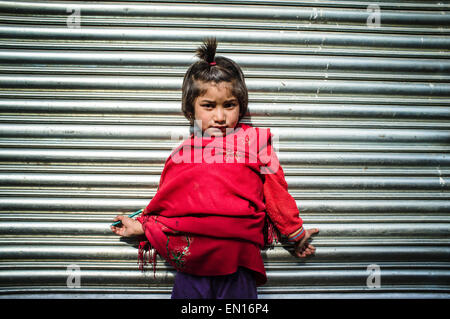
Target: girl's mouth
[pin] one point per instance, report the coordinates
(221, 128)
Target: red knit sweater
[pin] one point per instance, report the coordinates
(280, 205)
(207, 218)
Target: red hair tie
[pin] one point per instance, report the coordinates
(212, 63)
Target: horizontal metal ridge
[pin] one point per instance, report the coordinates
(245, 36)
(321, 63)
(280, 278)
(292, 292)
(304, 109)
(124, 144)
(416, 229)
(255, 121)
(116, 241)
(119, 200)
(101, 199)
(296, 264)
(435, 77)
(234, 48)
(416, 5)
(228, 23)
(316, 158)
(86, 180)
(262, 97)
(288, 170)
(233, 11)
(324, 254)
(125, 169)
(297, 182)
(317, 87)
(166, 132)
(358, 216)
(132, 267)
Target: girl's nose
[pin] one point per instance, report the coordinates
(219, 115)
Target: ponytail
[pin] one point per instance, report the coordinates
(207, 51)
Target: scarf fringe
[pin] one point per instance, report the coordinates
(146, 251)
(271, 234)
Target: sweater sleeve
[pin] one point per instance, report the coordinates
(280, 205)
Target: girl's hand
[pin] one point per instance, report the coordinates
(303, 248)
(130, 227)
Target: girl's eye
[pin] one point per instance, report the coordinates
(207, 105)
(230, 105)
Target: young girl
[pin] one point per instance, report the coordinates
(221, 192)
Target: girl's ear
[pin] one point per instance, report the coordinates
(191, 117)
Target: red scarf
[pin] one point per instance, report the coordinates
(207, 218)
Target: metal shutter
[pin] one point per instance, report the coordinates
(358, 95)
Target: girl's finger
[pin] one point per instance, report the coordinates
(301, 254)
(116, 230)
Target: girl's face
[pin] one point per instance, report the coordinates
(217, 109)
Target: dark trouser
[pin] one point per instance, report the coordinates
(239, 285)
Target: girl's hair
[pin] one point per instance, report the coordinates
(212, 68)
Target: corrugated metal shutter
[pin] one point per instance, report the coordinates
(357, 94)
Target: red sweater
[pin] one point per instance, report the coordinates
(280, 205)
(207, 217)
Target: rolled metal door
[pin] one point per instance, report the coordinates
(357, 95)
